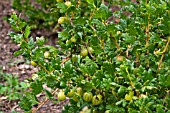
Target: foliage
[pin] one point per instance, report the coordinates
(11, 88)
(38, 13)
(124, 65)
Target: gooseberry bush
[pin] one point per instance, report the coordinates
(38, 13)
(100, 64)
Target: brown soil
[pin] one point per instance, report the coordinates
(17, 66)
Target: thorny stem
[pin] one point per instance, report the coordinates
(93, 13)
(163, 54)
(43, 102)
(137, 57)
(147, 32)
(44, 68)
(132, 84)
(148, 36)
(92, 16)
(65, 60)
(127, 51)
(102, 44)
(117, 45)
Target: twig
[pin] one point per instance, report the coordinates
(43, 102)
(65, 60)
(117, 45)
(163, 54)
(44, 69)
(89, 51)
(148, 37)
(129, 77)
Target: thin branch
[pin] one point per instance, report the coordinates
(115, 41)
(44, 69)
(148, 37)
(43, 102)
(65, 60)
(163, 54)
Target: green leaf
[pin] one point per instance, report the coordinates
(119, 102)
(14, 17)
(27, 31)
(99, 74)
(19, 52)
(95, 44)
(167, 82)
(24, 85)
(108, 67)
(128, 39)
(130, 110)
(68, 67)
(121, 91)
(79, 21)
(31, 43)
(21, 24)
(24, 45)
(37, 54)
(27, 101)
(62, 7)
(48, 93)
(36, 87)
(17, 38)
(111, 28)
(159, 108)
(52, 82)
(90, 1)
(83, 68)
(56, 63)
(106, 83)
(25, 104)
(64, 35)
(89, 67)
(51, 49)
(168, 111)
(103, 12)
(117, 109)
(109, 107)
(40, 41)
(114, 84)
(88, 86)
(164, 79)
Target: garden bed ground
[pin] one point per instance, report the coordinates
(16, 65)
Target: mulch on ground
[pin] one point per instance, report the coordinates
(17, 65)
